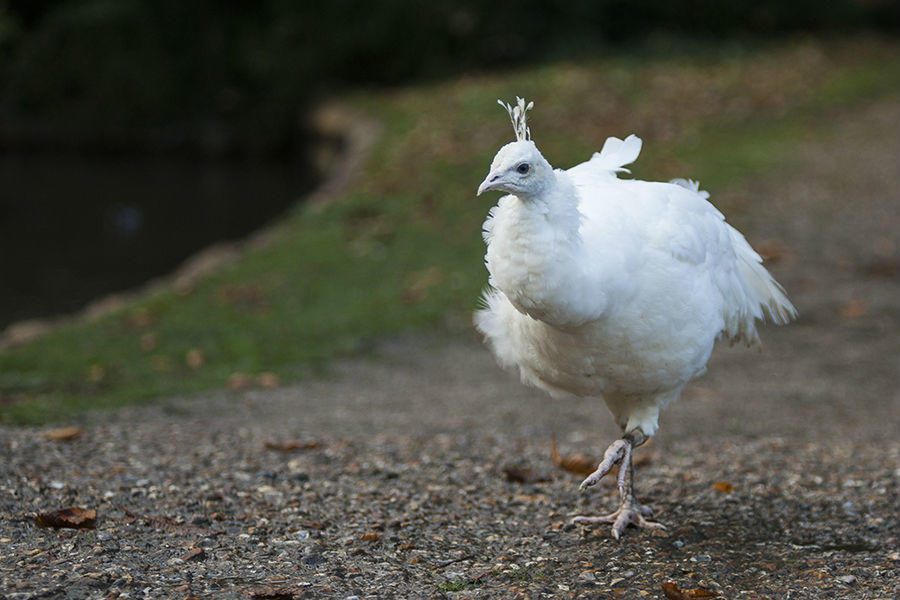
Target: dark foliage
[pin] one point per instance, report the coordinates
(209, 73)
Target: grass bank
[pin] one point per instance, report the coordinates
(400, 250)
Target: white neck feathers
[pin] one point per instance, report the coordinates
(535, 253)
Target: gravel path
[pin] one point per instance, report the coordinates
(778, 474)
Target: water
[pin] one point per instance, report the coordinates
(74, 228)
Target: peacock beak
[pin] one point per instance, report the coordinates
(491, 182)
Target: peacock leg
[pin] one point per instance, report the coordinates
(629, 511)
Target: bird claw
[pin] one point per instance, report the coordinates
(611, 457)
(627, 514)
(629, 511)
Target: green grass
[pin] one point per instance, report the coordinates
(401, 250)
(458, 585)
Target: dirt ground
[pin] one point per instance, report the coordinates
(777, 474)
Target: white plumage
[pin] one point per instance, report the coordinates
(615, 288)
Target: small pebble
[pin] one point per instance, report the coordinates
(848, 579)
(587, 576)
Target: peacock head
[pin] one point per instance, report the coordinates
(518, 167)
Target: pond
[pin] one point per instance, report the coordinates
(74, 228)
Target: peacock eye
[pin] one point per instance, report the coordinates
(523, 168)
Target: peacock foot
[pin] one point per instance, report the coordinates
(629, 513)
(617, 451)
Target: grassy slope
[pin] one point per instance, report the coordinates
(401, 249)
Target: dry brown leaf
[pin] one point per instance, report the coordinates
(63, 433)
(371, 537)
(73, 517)
(673, 592)
(772, 250)
(192, 554)
(578, 463)
(142, 318)
(310, 524)
(884, 267)
(273, 593)
(854, 309)
(148, 342)
(251, 296)
(523, 475)
(290, 446)
(643, 458)
(815, 574)
(165, 523)
(194, 358)
(723, 487)
(268, 380)
(239, 381)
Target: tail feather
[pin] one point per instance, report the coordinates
(764, 296)
(617, 153)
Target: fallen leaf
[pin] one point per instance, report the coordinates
(579, 463)
(703, 394)
(643, 458)
(192, 554)
(371, 537)
(815, 574)
(884, 267)
(854, 309)
(273, 593)
(772, 250)
(522, 475)
(165, 523)
(239, 381)
(141, 318)
(291, 446)
(672, 592)
(724, 487)
(268, 380)
(74, 517)
(194, 358)
(149, 341)
(310, 524)
(63, 433)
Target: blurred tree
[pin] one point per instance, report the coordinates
(216, 75)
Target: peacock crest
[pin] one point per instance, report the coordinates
(517, 116)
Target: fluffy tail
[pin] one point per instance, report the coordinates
(761, 292)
